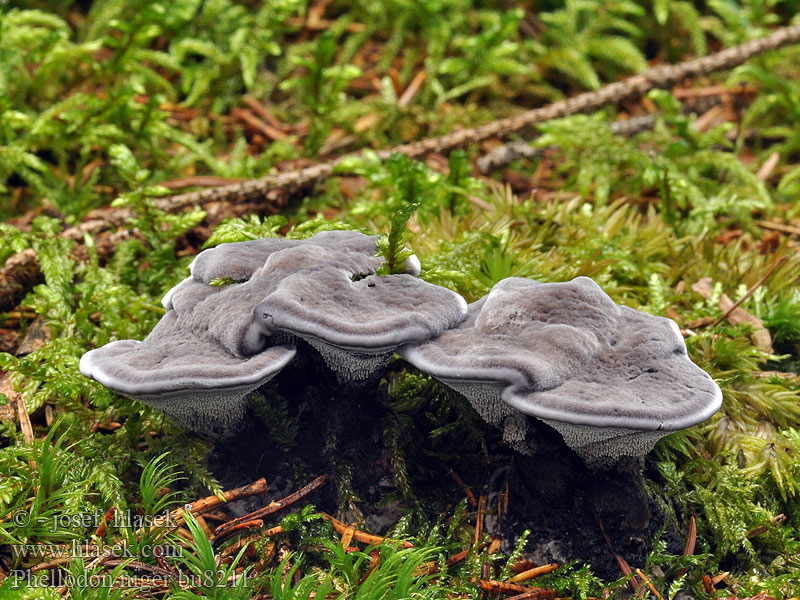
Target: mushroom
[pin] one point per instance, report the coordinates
(208, 352)
(471, 370)
(239, 260)
(356, 322)
(210, 335)
(192, 379)
(224, 314)
(203, 357)
(610, 379)
(166, 301)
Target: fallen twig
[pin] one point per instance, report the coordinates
(242, 526)
(507, 153)
(198, 181)
(749, 292)
(655, 77)
(239, 544)
(624, 567)
(648, 583)
(768, 167)
(467, 491)
(522, 565)
(504, 587)
(141, 567)
(375, 555)
(272, 507)
(252, 121)
(431, 567)
(534, 572)
(736, 315)
(627, 571)
(364, 538)
(457, 558)
(787, 377)
(757, 531)
(51, 564)
(782, 227)
(199, 507)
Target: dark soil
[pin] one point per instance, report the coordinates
(572, 512)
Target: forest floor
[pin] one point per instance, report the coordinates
(135, 134)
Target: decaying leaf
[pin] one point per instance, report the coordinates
(738, 316)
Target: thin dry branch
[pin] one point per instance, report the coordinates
(648, 583)
(503, 587)
(272, 507)
(363, 537)
(507, 153)
(749, 292)
(473, 501)
(16, 280)
(655, 77)
(764, 527)
(199, 507)
(534, 572)
(178, 516)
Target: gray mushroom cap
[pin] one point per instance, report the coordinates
(611, 379)
(208, 351)
(239, 260)
(166, 301)
(358, 322)
(224, 314)
(194, 381)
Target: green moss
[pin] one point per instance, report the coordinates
(111, 99)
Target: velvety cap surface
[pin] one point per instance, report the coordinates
(239, 260)
(373, 312)
(173, 359)
(224, 314)
(568, 353)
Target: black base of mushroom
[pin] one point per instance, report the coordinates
(573, 513)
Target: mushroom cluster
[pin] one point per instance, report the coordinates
(217, 343)
(610, 379)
